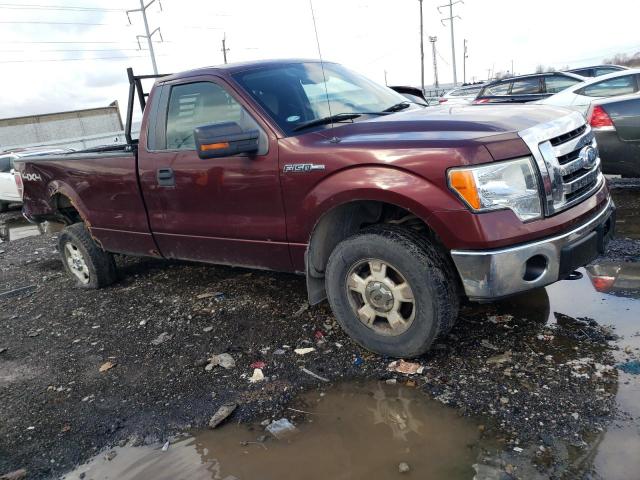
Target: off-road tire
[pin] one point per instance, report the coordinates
(101, 265)
(425, 267)
(4, 206)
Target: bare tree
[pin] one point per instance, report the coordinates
(624, 59)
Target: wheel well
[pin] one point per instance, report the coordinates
(345, 221)
(64, 210)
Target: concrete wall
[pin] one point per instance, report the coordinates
(77, 129)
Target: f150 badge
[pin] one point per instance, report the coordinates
(302, 167)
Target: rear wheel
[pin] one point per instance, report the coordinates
(4, 206)
(392, 290)
(88, 264)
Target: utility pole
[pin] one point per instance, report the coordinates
(224, 48)
(433, 41)
(451, 17)
(143, 10)
(488, 74)
(513, 74)
(385, 78)
(421, 50)
(464, 63)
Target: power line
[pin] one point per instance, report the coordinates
(31, 22)
(79, 8)
(76, 59)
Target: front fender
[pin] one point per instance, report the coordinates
(374, 183)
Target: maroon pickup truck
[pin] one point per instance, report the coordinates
(393, 211)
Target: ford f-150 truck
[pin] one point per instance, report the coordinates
(394, 212)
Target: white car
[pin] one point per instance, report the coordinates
(461, 96)
(9, 191)
(579, 96)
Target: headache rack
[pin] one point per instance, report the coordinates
(135, 86)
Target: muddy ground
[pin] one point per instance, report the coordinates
(531, 383)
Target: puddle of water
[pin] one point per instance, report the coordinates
(356, 431)
(18, 227)
(610, 294)
(628, 212)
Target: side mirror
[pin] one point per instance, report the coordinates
(224, 140)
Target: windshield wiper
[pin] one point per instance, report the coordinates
(397, 107)
(338, 117)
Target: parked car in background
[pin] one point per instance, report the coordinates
(579, 97)
(10, 185)
(461, 96)
(596, 70)
(616, 125)
(527, 88)
(413, 94)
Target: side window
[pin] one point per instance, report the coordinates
(203, 103)
(605, 70)
(557, 83)
(611, 87)
(6, 164)
(526, 86)
(496, 90)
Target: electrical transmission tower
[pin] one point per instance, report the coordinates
(450, 18)
(143, 10)
(433, 41)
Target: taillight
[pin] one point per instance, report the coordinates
(442, 100)
(19, 184)
(599, 119)
(481, 100)
(603, 283)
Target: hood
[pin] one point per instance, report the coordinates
(449, 123)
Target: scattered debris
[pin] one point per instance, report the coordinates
(301, 310)
(258, 364)
(488, 344)
(632, 367)
(315, 375)
(223, 412)
(403, 467)
(111, 455)
(17, 291)
(3, 349)
(518, 449)
(223, 360)
(409, 368)
(207, 329)
(215, 295)
(500, 318)
(358, 361)
(160, 339)
(106, 366)
(257, 376)
(15, 475)
(165, 447)
(499, 359)
(282, 428)
(304, 351)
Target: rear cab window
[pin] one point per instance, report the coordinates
(611, 87)
(526, 86)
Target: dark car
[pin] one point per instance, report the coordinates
(526, 88)
(616, 125)
(596, 70)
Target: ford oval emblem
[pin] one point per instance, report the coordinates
(588, 155)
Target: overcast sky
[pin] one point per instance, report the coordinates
(44, 70)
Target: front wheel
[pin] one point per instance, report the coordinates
(87, 263)
(392, 290)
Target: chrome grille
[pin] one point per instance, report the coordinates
(559, 147)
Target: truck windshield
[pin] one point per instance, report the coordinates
(296, 94)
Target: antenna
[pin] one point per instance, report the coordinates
(324, 78)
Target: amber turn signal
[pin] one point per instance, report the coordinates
(214, 146)
(463, 183)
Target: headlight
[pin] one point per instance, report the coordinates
(512, 184)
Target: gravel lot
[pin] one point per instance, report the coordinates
(530, 382)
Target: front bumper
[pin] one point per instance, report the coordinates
(492, 274)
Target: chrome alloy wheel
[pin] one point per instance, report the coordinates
(75, 261)
(381, 297)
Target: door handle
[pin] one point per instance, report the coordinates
(165, 177)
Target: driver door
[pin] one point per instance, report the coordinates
(226, 210)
